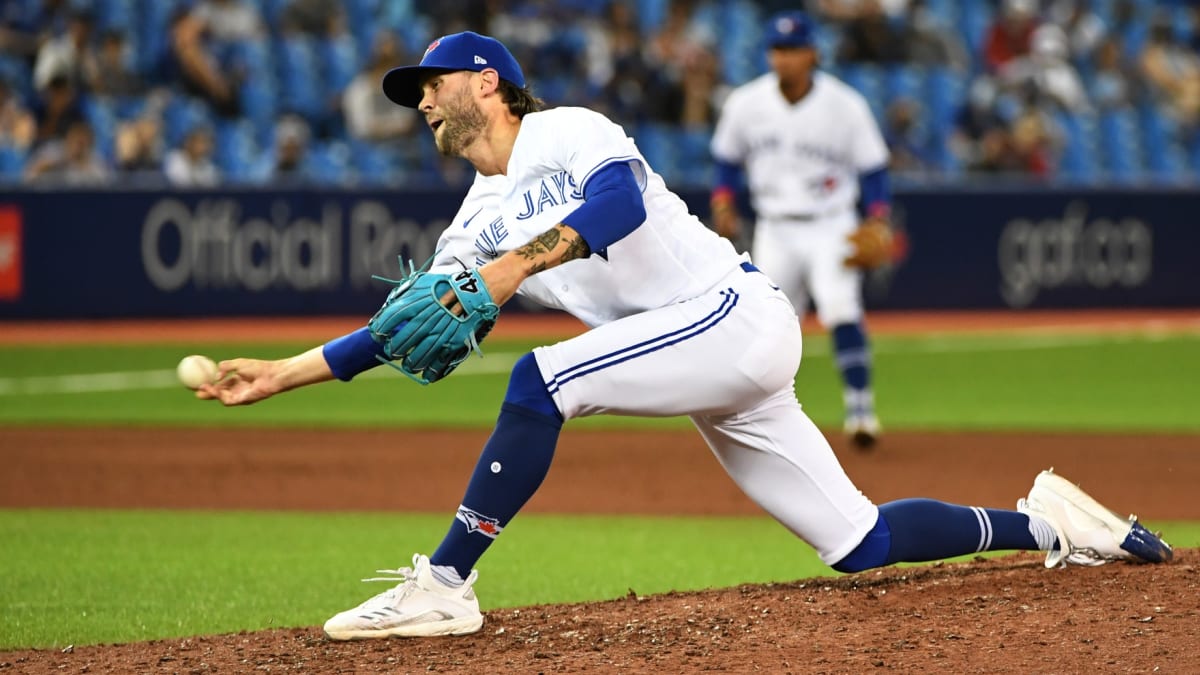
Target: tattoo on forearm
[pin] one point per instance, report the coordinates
(576, 248)
(543, 243)
(547, 242)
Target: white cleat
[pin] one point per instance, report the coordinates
(863, 430)
(1088, 533)
(420, 606)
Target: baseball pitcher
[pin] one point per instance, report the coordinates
(566, 210)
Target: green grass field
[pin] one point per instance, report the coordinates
(82, 577)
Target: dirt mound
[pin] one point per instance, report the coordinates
(1000, 615)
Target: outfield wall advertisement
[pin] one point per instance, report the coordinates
(127, 254)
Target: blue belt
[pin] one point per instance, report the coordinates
(749, 267)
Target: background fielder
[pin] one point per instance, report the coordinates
(810, 149)
(566, 210)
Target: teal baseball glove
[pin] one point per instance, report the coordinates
(430, 323)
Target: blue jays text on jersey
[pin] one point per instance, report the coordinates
(552, 191)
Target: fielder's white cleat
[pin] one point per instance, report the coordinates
(420, 606)
(1088, 533)
(863, 429)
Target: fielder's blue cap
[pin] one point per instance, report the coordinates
(460, 51)
(790, 29)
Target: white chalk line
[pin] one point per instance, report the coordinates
(494, 363)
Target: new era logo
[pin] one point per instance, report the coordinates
(480, 61)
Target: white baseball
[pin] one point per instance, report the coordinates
(196, 370)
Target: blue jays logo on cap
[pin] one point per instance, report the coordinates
(789, 29)
(460, 51)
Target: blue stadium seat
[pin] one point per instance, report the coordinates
(260, 105)
(375, 164)
(235, 149)
(18, 75)
(1165, 159)
(657, 146)
(975, 16)
(904, 81)
(329, 162)
(180, 115)
(153, 31)
(1078, 162)
(252, 57)
(101, 114)
(651, 14)
(868, 80)
(1121, 143)
(340, 58)
(12, 163)
(300, 78)
(119, 14)
(945, 93)
(695, 158)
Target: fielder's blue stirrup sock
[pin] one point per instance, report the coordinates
(510, 469)
(850, 352)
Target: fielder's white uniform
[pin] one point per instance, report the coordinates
(681, 324)
(802, 163)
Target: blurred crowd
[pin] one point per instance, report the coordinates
(206, 92)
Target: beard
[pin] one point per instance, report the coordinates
(462, 123)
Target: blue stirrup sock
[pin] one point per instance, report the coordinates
(851, 355)
(920, 530)
(510, 469)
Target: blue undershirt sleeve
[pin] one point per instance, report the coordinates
(873, 186)
(612, 207)
(352, 354)
(729, 176)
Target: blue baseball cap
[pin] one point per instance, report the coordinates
(790, 29)
(460, 51)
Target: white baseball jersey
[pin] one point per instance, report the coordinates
(681, 324)
(803, 162)
(802, 158)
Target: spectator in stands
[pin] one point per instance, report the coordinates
(1035, 142)
(870, 36)
(108, 72)
(313, 17)
(1113, 81)
(452, 16)
(929, 41)
(229, 20)
(70, 161)
(1046, 73)
(681, 50)
(56, 109)
(65, 55)
(1084, 29)
(25, 26)
(193, 58)
(1010, 34)
(191, 164)
(1126, 24)
(979, 129)
(369, 115)
(1172, 72)
(624, 91)
(17, 126)
(289, 162)
(138, 146)
(842, 11)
